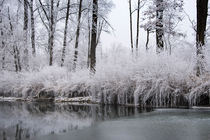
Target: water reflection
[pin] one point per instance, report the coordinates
(26, 120)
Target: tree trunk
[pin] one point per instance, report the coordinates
(147, 42)
(159, 26)
(14, 47)
(131, 25)
(137, 28)
(94, 36)
(25, 24)
(2, 42)
(51, 34)
(77, 34)
(89, 38)
(18, 58)
(65, 34)
(32, 29)
(100, 28)
(202, 13)
(3, 51)
(25, 31)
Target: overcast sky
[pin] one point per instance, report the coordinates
(119, 19)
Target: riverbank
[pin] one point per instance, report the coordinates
(161, 81)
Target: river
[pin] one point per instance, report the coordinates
(64, 121)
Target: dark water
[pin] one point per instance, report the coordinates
(41, 121)
(20, 120)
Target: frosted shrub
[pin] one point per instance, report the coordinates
(120, 78)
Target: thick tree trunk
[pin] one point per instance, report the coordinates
(159, 26)
(202, 13)
(137, 28)
(32, 28)
(94, 36)
(65, 34)
(51, 34)
(77, 34)
(131, 25)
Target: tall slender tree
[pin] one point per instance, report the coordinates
(89, 34)
(77, 34)
(51, 37)
(25, 31)
(137, 31)
(159, 25)
(50, 26)
(202, 13)
(14, 46)
(94, 36)
(131, 25)
(2, 41)
(32, 28)
(65, 34)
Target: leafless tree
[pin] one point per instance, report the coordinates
(77, 34)
(65, 34)
(32, 28)
(202, 13)
(94, 36)
(159, 26)
(137, 28)
(131, 24)
(25, 31)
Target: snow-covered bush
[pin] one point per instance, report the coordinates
(120, 78)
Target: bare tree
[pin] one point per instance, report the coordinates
(2, 46)
(2, 38)
(94, 36)
(25, 31)
(89, 35)
(52, 30)
(137, 28)
(99, 31)
(131, 25)
(14, 46)
(77, 34)
(32, 28)
(65, 34)
(52, 19)
(147, 42)
(159, 26)
(202, 13)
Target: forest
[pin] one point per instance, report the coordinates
(51, 50)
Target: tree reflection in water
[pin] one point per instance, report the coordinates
(20, 120)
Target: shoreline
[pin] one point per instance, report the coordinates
(88, 101)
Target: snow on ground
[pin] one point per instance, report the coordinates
(150, 78)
